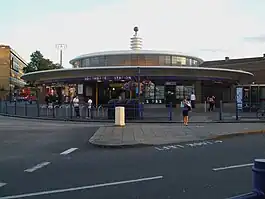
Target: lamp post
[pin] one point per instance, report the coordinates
(139, 83)
(61, 47)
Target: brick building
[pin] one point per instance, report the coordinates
(11, 66)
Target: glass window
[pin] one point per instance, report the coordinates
(15, 65)
(149, 91)
(160, 92)
(165, 60)
(179, 92)
(184, 92)
(187, 91)
(102, 60)
(195, 62)
(118, 60)
(189, 61)
(179, 61)
(85, 62)
(175, 61)
(182, 61)
(151, 60)
(134, 60)
(94, 61)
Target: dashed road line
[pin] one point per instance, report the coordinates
(68, 151)
(233, 167)
(82, 188)
(2, 184)
(38, 166)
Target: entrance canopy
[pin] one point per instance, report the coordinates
(166, 71)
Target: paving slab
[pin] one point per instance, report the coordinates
(159, 134)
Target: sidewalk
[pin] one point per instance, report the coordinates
(158, 134)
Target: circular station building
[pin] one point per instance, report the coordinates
(155, 77)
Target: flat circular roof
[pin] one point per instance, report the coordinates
(183, 71)
(129, 52)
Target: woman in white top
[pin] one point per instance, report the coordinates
(192, 99)
(89, 106)
(76, 106)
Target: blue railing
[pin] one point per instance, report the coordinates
(136, 111)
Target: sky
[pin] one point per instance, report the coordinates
(209, 29)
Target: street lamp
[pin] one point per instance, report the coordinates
(61, 47)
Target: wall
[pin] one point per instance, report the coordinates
(4, 67)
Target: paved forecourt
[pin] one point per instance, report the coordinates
(157, 134)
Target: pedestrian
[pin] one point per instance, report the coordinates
(192, 100)
(211, 101)
(185, 111)
(76, 106)
(47, 99)
(89, 106)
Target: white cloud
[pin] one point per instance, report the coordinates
(183, 26)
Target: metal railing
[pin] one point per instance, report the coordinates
(221, 112)
(101, 112)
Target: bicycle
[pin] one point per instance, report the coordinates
(260, 113)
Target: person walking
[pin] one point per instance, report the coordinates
(185, 111)
(211, 101)
(89, 106)
(76, 106)
(192, 100)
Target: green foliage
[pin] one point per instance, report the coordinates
(39, 63)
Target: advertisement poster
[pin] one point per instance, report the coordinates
(80, 89)
(239, 98)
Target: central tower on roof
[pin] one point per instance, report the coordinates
(136, 41)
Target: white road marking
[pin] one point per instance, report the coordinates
(81, 188)
(194, 144)
(159, 149)
(218, 141)
(2, 184)
(68, 151)
(38, 166)
(180, 146)
(232, 167)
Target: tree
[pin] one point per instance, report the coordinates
(39, 63)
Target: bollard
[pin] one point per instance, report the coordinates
(119, 116)
(259, 176)
(205, 106)
(142, 111)
(221, 110)
(6, 107)
(170, 111)
(236, 110)
(53, 110)
(258, 182)
(71, 110)
(38, 108)
(26, 108)
(15, 107)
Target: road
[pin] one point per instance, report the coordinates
(54, 160)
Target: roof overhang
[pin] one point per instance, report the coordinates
(195, 72)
